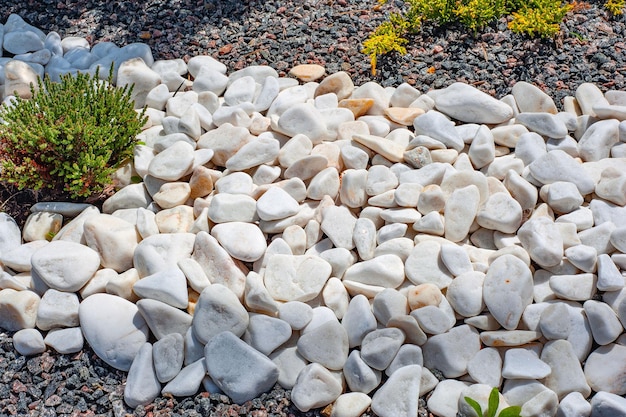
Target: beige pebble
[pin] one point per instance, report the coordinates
(307, 72)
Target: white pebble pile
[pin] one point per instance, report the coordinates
(348, 242)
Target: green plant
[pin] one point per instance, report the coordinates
(476, 14)
(494, 402)
(70, 137)
(540, 18)
(615, 7)
(386, 38)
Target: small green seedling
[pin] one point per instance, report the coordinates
(494, 401)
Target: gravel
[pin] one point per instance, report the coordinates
(282, 34)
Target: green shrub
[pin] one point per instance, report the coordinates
(540, 18)
(476, 14)
(615, 7)
(535, 18)
(70, 137)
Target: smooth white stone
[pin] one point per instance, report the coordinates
(598, 237)
(459, 213)
(554, 322)
(57, 309)
(256, 296)
(364, 238)
(338, 224)
(399, 395)
(326, 345)
(423, 265)
(336, 297)
(541, 238)
(435, 319)
(219, 266)
(142, 385)
(567, 375)
(558, 166)
(360, 377)
(596, 142)
(172, 163)
(543, 404)
(188, 380)
(159, 252)
(65, 266)
(612, 186)
(501, 212)
(408, 354)
(167, 355)
(41, 226)
(135, 72)
(605, 326)
(561, 196)
(238, 369)
(450, 352)
(604, 367)
(578, 287)
(276, 204)
(350, 404)
(297, 277)
(530, 98)
(445, 398)
(302, 118)
(380, 346)
(116, 337)
(521, 190)
(456, 259)
(218, 309)
(168, 286)
(468, 104)
(114, 239)
(359, 320)
(545, 124)
(523, 364)
(289, 363)
(465, 293)
(29, 342)
(518, 391)
(574, 405)
(437, 126)
(605, 404)
(265, 333)
(225, 141)
(243, 241)
(609, 276)
(384, 270)
(583, 257)
(254, 153)
(389, 303)
(18, 77)
(315, 387)
(486, 367)
(19, 258)
(225, 207)
(500, 338)
(507, 290)
(482, 150)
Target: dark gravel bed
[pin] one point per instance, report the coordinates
(282, 34)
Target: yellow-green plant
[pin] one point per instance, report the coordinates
(615, 7)
(540, 18)
(476, 14)
(389, 36)
(494, 402)
(70, 137)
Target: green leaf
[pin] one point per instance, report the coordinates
(512, 411)
(494, 401)
(474, 404)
